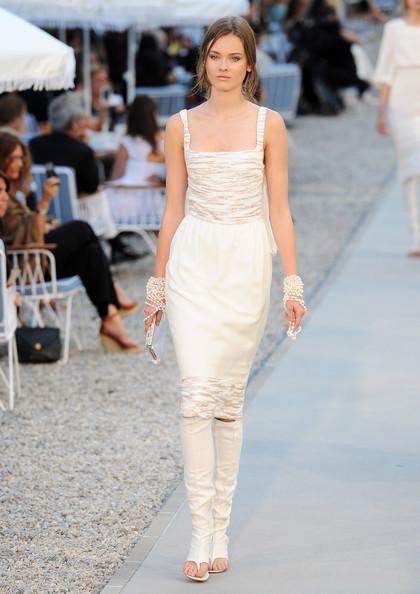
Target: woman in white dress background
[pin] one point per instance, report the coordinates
(140, 158)
(398, 74)
(213, 270)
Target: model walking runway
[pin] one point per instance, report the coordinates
(213, 271)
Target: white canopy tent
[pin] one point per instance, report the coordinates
(30, 58)
(123, 14)
(133, 15)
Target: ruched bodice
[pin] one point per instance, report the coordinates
(239, 197)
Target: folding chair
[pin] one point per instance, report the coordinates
(282, 85)
(8, 323)
(170, 98)
(37, 283)
(138, 209)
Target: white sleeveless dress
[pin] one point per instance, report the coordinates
(218, 277)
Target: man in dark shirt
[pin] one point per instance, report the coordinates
(64, 147)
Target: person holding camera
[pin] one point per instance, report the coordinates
(64, 147)
(77, 250)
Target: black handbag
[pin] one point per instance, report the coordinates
(38, 345)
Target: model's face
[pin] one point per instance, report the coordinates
(4, 198)
(14, 163)
(413, 5)
(226, 63)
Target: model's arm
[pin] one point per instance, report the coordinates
(176, 185)
(276, 164)
(380, 124)
(276, 168)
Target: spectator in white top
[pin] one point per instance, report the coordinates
(140, 158)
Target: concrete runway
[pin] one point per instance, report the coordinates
(328, 499)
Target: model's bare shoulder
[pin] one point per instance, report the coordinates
(174, 130)
(174, 125)
(275, 128)
(274, 121)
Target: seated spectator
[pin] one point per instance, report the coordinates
(323, 50)
(13, 113)
(187, 56)
(107, 107)
(153, 68)
(140, 158)
(264, 60)
(78, 250)
(64, 147)
(37, 105)
(16, 162)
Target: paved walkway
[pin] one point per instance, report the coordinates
(328, 500)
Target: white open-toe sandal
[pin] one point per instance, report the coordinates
(195, 578)
(218, 570)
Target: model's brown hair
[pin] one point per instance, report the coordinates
(226, 26)
(8, 143)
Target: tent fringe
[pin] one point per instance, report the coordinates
(50, 84)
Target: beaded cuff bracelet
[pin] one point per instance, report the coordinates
(155, 295)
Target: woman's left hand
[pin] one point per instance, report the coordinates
(294, 313)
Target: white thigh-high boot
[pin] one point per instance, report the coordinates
(412, 193)
(198, 451)
(228, 444)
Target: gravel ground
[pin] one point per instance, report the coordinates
(91, 451)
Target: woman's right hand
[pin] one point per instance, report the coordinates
(50, 189)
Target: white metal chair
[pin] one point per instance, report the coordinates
(282, 85)
(36, 281)
(138, 209)
(66, 206)
(8, 323)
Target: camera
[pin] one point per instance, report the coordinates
(49, 170)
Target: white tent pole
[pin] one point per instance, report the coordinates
(87, 92)
(131, 64)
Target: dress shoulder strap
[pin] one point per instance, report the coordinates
(261, 127)
(184, 118)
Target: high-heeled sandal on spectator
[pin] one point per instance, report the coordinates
(113, 344)
(129, 309)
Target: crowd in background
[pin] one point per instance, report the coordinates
(43, 127)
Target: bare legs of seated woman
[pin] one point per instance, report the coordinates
(114, 335)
